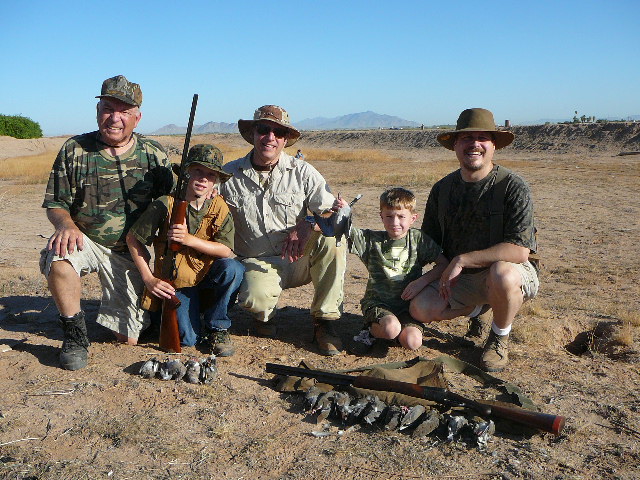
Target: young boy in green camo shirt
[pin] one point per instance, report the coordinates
(394, 258)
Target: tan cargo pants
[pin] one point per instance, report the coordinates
(323, 264)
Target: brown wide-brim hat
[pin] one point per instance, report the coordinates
(476, 120)
(273, 113)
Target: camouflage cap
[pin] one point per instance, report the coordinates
(208, 156)
(274, 114)
(476, 120)
(122, 89)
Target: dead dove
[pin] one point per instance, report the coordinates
(208, 369)
(324, 406)
(454, 425)
(311, 398)
(428, 424)
(176, 369)
(358, 408)
(342, 405)
(412, 416)
(374, 410)
(482, 430)
(393, 416)
(150, 368)
(193, 371)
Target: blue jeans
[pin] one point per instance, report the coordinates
(224, 278)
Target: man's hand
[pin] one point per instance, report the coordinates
(295, 242)
(159, 288)
(449, 278)
(67, 236)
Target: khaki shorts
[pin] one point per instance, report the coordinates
(121, 285)
(471, 287)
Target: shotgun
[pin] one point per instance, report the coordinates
(541, 421)
(169, 333)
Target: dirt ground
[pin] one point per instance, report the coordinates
(105, 421)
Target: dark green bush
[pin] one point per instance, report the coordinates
(19, 127)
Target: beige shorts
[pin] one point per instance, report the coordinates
(471, 287)
(121, 285)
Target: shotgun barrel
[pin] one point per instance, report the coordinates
(541, 421)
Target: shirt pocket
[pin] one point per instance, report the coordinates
(286, 208)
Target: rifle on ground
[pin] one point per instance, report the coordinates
(541, 421)
(169, 333)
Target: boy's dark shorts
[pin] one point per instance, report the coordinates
(374, 314)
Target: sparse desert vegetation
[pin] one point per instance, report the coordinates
(574, 351)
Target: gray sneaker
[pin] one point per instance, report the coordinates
(221, 344)
(75, 347)
(495, 355)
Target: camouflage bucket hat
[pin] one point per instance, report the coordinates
(476, 120)
(208, 156)
(122, 89)
(274, 114)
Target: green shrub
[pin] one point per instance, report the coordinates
(19, 127)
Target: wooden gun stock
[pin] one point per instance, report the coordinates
(541, 421)
(169, 333)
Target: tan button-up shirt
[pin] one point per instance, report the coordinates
(264, 214)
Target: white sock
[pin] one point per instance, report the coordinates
(500, 331)
(476, 311)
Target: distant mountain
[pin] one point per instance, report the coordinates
(209, 127)
(355, 121)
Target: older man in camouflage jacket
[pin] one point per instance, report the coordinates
(482, 216)
(99, 185)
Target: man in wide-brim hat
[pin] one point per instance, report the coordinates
(482, 216)
(270, 196)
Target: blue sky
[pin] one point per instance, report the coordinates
(420, 60)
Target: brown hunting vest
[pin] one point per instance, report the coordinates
(191, 264)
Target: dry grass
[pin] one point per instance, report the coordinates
(28, 170)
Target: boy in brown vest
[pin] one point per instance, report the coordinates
(204, 261)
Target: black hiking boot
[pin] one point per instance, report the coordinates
(75, 347)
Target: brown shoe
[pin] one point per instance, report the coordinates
(495, 355)
(265, 329)
(479, 327)
(325, 336)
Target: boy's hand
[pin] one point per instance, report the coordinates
(159, 288)
(413, 289)
(178, 234)
(339, 203)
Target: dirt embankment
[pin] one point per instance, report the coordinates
(561, 138)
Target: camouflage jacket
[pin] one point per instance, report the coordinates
(392, 264)
(467, 224)
(105, 195)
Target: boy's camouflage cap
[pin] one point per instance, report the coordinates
(208, 156)
(273, 113)
(122, 89)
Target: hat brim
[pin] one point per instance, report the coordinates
(502, 138)
(121, 98)
(224, 176)
(246, 130)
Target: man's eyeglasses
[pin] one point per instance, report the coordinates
(279, 132)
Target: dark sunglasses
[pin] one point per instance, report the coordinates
(279, 132)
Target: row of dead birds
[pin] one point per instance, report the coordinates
(203, 370)
(370, 410)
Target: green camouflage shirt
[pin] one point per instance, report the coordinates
(105, 195)
(467, 224)
(392, 264)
